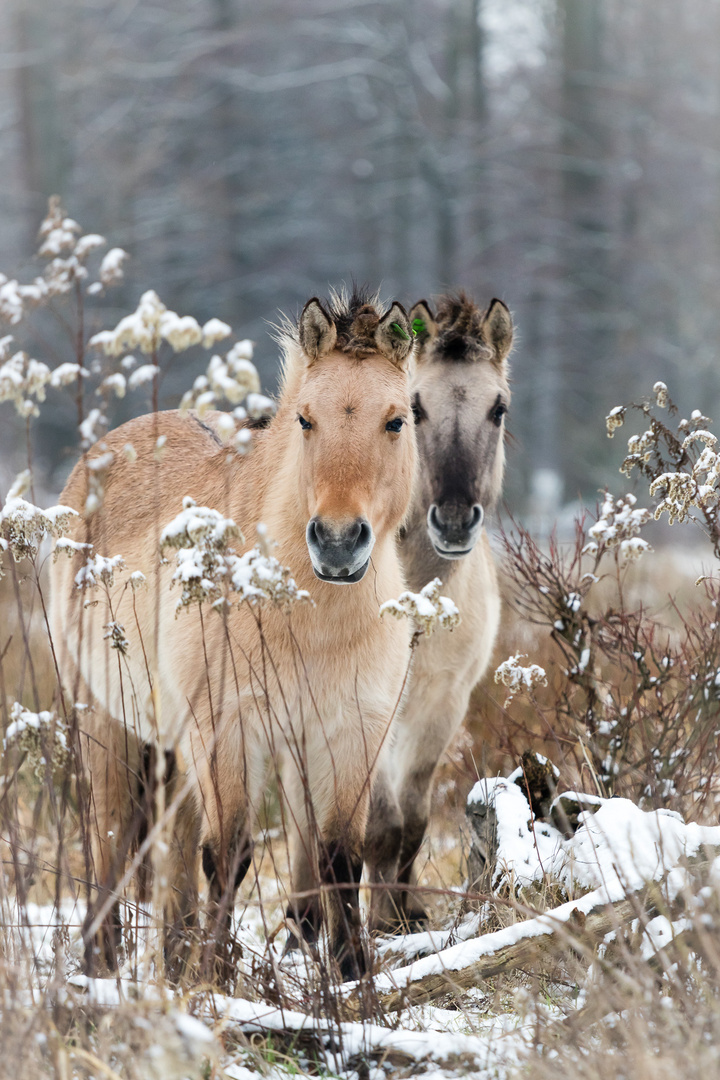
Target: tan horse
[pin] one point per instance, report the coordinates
(460, 397)
(331, 480)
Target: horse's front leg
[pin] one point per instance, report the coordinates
(340, 865)
(328, 797)
(112, 767)
(225, 784)
(383, 845)
(304, 910)
(433, 715)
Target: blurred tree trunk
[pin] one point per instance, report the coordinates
(43, 136)
(585, 330)
(455, 170)
(403, 148)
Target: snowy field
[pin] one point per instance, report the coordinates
(455, 1001)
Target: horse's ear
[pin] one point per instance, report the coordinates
(424, 327)
(394, 336)
(497, 330)
(317, 331)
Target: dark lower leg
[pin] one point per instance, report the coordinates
(383, 845)
(341, 868)
(145, 807)
(413, 911)
(117, 817)
(224, 875)
(304, 910)
(181, 908)
(102, 947)
(306, 915)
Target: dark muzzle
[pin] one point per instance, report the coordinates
(454, 528)
(339, 553)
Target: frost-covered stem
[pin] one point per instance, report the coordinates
(27, 654)
(3, 691)
(60, 816)
(80, 351)
(207, 670)
(28, 442)
(51, 643)
(213, 756)
(142, 646)
(161, 848)
(155, 383)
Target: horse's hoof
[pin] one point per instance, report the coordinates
(292, 945)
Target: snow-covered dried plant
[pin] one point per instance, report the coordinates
(682, 491)
(23, 525)
(137, 580)
(23, 381)
(40, 735)
(115, 634)
(201, 538)
(427, 609)
(98, 570)
(614, 420)
(207, 567)
(231, 378)
(681, 466)
(618, 526)
(65, 251)
(151, 324)
(259, 578)
(638, 705)
(62, 243)
(519, 679)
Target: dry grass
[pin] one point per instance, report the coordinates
(55, 1031)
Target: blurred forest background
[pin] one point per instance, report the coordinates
(561, 154)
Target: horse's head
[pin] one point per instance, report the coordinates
(460, 398)
(354, 435)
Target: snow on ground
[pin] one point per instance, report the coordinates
(616, 849)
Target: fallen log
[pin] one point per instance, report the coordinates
(579, 925)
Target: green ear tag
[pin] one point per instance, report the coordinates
(418, 326)
(399, 330)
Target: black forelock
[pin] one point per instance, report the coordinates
(459, 322)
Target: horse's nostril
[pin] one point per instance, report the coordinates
(434, 517)
(357, 534)
(476, 516)
(364, 534)
(352, 533)
(317, 531)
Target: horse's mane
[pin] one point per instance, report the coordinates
(355, 312)
(459, 321)
(356, 316)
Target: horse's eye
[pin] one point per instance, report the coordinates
(497, 414)
(418, 411)
(394, 425)
(304, 424)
